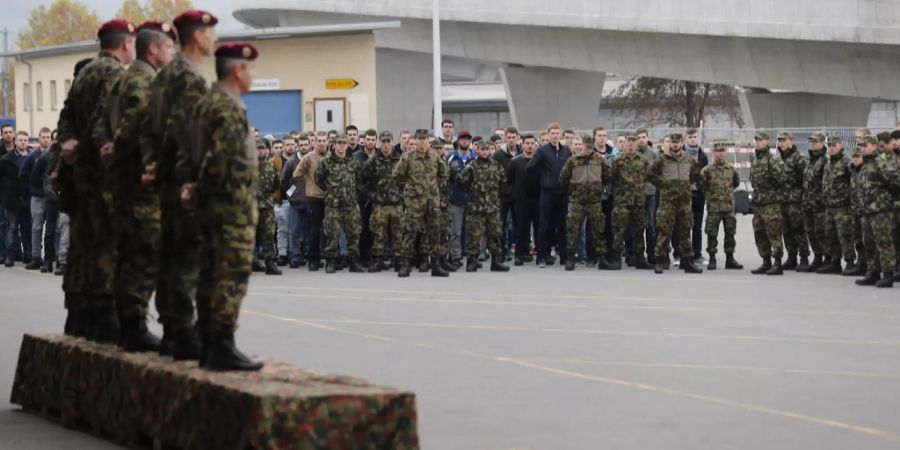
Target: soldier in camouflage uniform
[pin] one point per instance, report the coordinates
(718, 181)
(584, 176)
(895, 153)
(90, 293)
(814, 214)
(385, 221)
(265, 227)
(672, 173)
(858, 207)
(418, 175)
(135, 205)
(629, 173)
(483, 178)
(839, 224)
(165, 144)
(337, 175)
(878, 181)
(768, 181)
(225, 200)
(792, 218)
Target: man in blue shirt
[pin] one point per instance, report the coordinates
(15, 199)
(554, 203)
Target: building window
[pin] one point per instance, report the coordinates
(53, 95)
(39, 93)
(26, 95)
(67, 85)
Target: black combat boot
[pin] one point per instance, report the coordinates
(403, 270)
(766, 265)
(456, 262)
(74, 323)
(60, 270)
(104, 327)
(136, 337)
(689, 266)
(803, 266)
(271, 267)
(666, 264)
(630, 261)
(47, 267)
(222, 355)
(445, 264)
(259, 266)
(887, 280)
(424, 266)
(711, 262)
(731, 263)
(283, 260)
(330, 265)
(375, 265)
(519, 261)
(854, 270)
(35, 264)
(313, 265)
(777, 268)
(472, 264)
(497, 263)
(184, 345)
(437, 270)
(570, 264)
(295, 263)
(615, 263)
(871, 279)
(659, 267)
(605, 264)
(355, 267)
(831, 267)
(816, 263)
(339, 263)
(641, 263)
(790, 263)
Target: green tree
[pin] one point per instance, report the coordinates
(63, 22)
(165, 10)
(676, 102)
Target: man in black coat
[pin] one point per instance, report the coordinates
(554, 202)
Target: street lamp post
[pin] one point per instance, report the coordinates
(436, 53)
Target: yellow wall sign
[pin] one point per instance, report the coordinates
(335, 83)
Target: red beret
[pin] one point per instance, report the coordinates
(162, 27)
(195, 17)
(117, 25)
(241, 50)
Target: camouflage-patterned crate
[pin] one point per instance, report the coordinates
(132, 395)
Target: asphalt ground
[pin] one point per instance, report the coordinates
(547, 359)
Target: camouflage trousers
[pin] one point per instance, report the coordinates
(637, 215)
(93, 237)
(138, 231)
(897, 238)
(793, 226)
(265, 233)
(878, 239)
(839, 231)
(385, 224)
(478, 224)
(594, 214)
(226, 257)
(670, 215)
(767, 231)
(729, 223)
(338, 219)
(179, 262)
(445, 222)
(419, 217)
(814, 222)
(861, 254)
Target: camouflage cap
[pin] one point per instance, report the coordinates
(631, 136)
(833, 140)
(437, 145)
(856, 153)
(674, 137)
(884, 136)
(818, 137)
(720, 145)
(869, 140)
(785, 135)
(484, 143)
(385, 136)
(760, 134)
(421, 133)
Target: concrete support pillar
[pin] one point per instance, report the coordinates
(800, 110)
(404, 89)
(540, 95)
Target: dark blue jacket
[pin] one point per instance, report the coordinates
(548, 162)
(34, 187)
(458, 195)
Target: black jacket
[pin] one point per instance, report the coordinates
(503, 157)
(10, 197)
(363, 194)
(298, 199)
(40, 176)
(548, 163)
(524, 184)
(34, 189)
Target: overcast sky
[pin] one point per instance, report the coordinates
(14, 15)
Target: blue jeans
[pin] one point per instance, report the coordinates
(554, 208)
(298, 223)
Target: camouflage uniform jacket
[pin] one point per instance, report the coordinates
(794, 168)
(418, 175)
(228, 176)
(337, 177)
(175, 91)
(268, 183)
(444, 183)
(813, 179)
(376, 175)
(673, 175)
(719, 180)
(767, 178)
(629, 179)
(482, 179)
(878, 180)
(584, 177)
(124, 111)
(836, 181)
(76, 120)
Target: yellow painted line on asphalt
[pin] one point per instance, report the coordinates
(761, 409)
(752, 369)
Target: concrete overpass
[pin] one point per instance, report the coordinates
(834, 55)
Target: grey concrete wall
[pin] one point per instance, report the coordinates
(540, 95)
(404, 89)
(807, 110)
